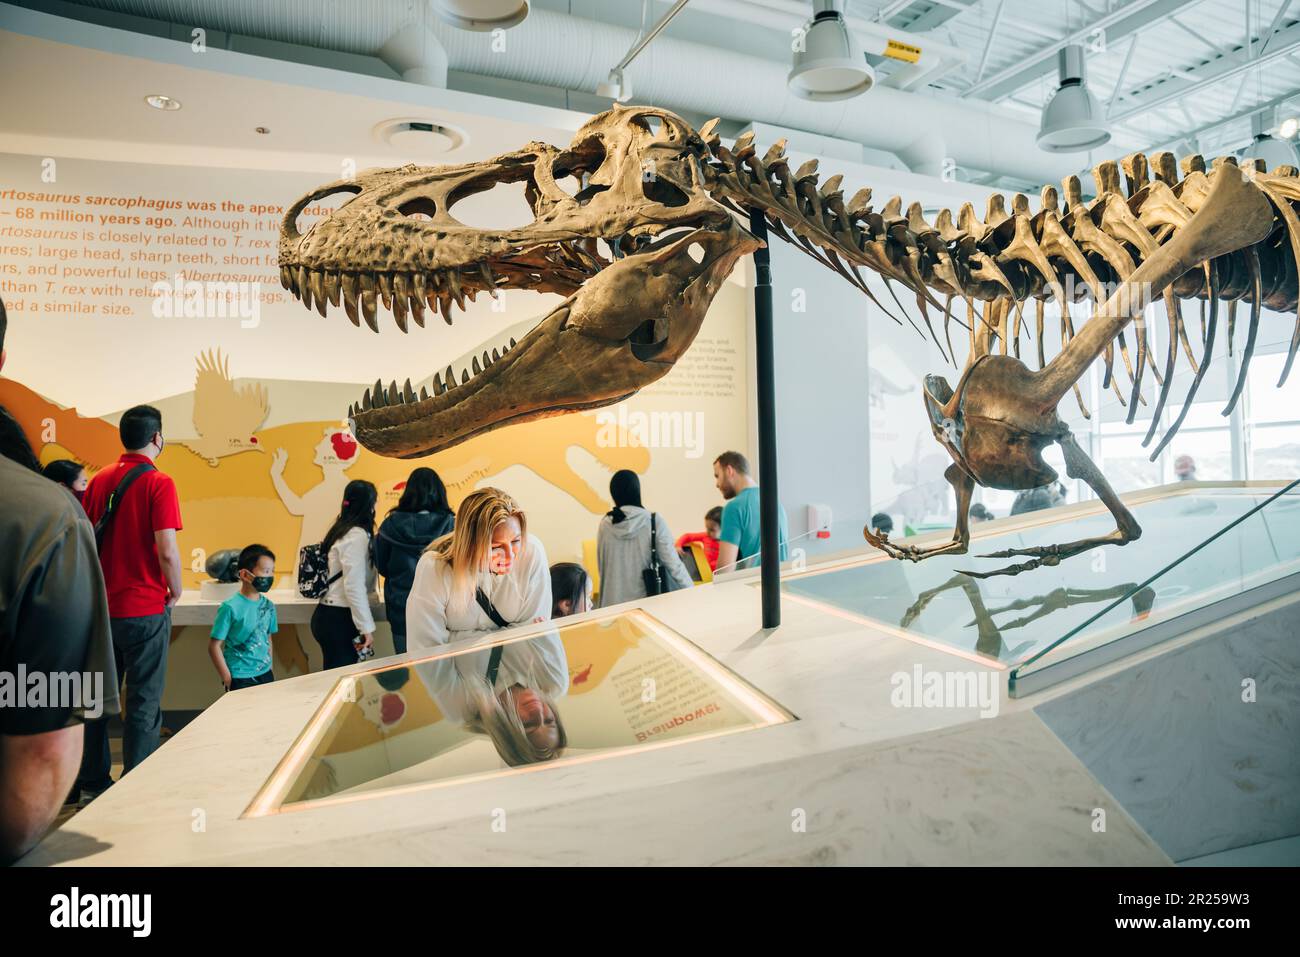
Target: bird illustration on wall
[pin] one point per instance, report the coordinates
(225, 417)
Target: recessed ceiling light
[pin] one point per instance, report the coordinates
(415, 138)
(261, 129)
(482, 15)
(160, 102)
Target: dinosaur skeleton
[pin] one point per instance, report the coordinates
(643, 243)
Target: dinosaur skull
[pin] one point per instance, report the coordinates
(633, 307)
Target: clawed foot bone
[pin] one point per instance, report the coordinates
(909, 552)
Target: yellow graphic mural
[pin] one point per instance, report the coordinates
(230, 500)
(224, 417)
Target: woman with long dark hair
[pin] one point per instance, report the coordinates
(624, 543)
(421, 515)
(570, 590)
(68, 473)
(342, 624)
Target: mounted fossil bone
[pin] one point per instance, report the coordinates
(666, 204)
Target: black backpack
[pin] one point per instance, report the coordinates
(314, 578)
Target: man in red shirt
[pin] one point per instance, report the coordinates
(142, 573)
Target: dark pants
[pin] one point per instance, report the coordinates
(262, 679)
(140, 648)
(399, 642)
(333, 630)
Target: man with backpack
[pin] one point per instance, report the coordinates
(136, 515)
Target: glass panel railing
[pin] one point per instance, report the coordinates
(1257, 548)
(1012, 619)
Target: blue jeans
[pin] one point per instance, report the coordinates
(140, 647)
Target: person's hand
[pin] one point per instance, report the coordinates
(367, 641)
(278, 461)
(172, 599)
(225, 682)
(538, 620)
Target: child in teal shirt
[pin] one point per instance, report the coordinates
(241, 635)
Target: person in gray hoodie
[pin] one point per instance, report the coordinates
(623, 545)
(420, 516)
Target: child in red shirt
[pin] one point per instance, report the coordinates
(708, 538)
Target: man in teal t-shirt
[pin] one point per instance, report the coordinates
(241, 636)
(739, 542)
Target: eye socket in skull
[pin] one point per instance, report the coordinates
(491, 213)
(421, 207)
(306, 213)
(581, 161)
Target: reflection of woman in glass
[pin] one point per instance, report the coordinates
(486, 575)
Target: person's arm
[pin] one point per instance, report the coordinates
(426, 607)
(169, 558)
(219, 661)
(60, 625)
(537, 587)
(217, 640)
(36, 773)
(354, 560)
(668, 557)
(292, 501)
(166, 509)
(729, 539)
(383, 551)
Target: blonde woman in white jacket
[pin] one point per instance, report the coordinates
(344, 613)
(510, 695)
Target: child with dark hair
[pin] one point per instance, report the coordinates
(708, 538)
(241, 636)
(570, 590)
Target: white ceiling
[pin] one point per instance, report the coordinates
(1179, 74)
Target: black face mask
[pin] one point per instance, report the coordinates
(263, 583)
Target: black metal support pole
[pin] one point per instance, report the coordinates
(768, 501)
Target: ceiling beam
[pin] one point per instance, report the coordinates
(1225, 121)
(988, 44)
(1133, 17)
(1215, 72)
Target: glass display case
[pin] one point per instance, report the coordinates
(1201, 544)
(567, 694)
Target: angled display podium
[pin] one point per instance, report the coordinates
(901, 714)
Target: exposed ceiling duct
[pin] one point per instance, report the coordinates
(677, 74)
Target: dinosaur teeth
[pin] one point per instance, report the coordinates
(464, 376)
(424, 393)
(495, 355)
(332, 288)
(366, 404)
(486, 361)
(318, 291)
(477, 368)
(438, 387)
(368, 310)
(286, 279)
(408, 395)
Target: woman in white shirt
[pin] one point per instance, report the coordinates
(511, 695)
(343, 623)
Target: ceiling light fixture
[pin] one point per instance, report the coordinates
(481, 16)
(1072, 119)
(619, 87)
(829, 63)
(616, 87)
(1274, 152)
(160, 102)
(1290, 126)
